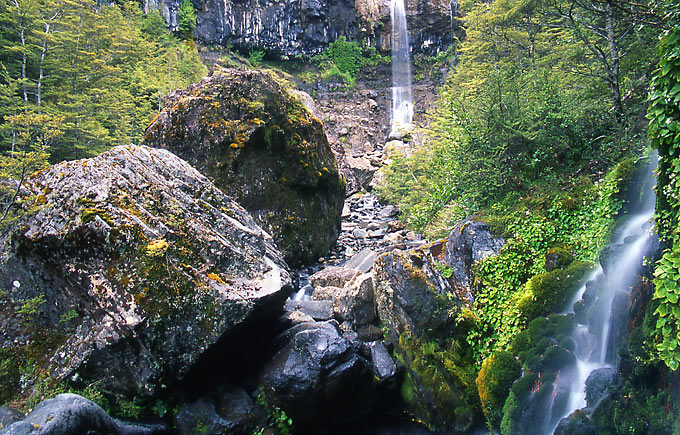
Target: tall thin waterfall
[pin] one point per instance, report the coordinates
(402, 101)
(599, 334)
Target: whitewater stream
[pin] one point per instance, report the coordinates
(601, 330)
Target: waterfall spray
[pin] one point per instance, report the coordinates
(402, 101)
(597, 340)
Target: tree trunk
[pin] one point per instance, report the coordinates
(613, 71)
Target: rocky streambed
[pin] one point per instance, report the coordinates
(164, 293)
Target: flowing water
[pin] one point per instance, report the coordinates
(601, 327)
(402, 101)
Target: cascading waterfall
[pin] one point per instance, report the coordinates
(402, 101)
(598, 333)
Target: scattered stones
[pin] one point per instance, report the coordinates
(317, 310)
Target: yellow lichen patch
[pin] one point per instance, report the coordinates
(216, 277)
(156, 248)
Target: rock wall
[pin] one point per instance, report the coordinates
(294, 27)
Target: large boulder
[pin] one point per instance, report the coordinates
(133, 267)
(261, 146)
(424, 319)
(68, 414)
(319, 374)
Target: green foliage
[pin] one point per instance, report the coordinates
(346, 56)
(444, 369)
(186, 18)
(29, 308)
(343, 60)
(97, 75)
(255, 57)
(277, 418)
(580, 218)
(494, 380)
(664, 133)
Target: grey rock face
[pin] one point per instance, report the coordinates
(599, 384)
(141, 263)
(469, 242)
(8, 416)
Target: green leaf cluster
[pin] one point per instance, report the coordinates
(514, 287)
(664, 133)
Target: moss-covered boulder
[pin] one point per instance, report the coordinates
(424, 320)
(132, 268)
(494, 380)
(549, 292)
(261, 146)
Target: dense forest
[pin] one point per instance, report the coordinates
(545, 112)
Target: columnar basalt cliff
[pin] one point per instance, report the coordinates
(307, 26)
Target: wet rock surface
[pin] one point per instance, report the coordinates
(230, 410)
(139, 265)
(262, 147)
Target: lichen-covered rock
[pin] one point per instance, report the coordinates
(418, 307)
(133, 267)
(261, 146)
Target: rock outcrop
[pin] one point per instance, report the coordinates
(262, 147)
(134, 265)
(308, 26)
(422, 297)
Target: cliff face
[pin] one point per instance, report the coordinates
(294, 27)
